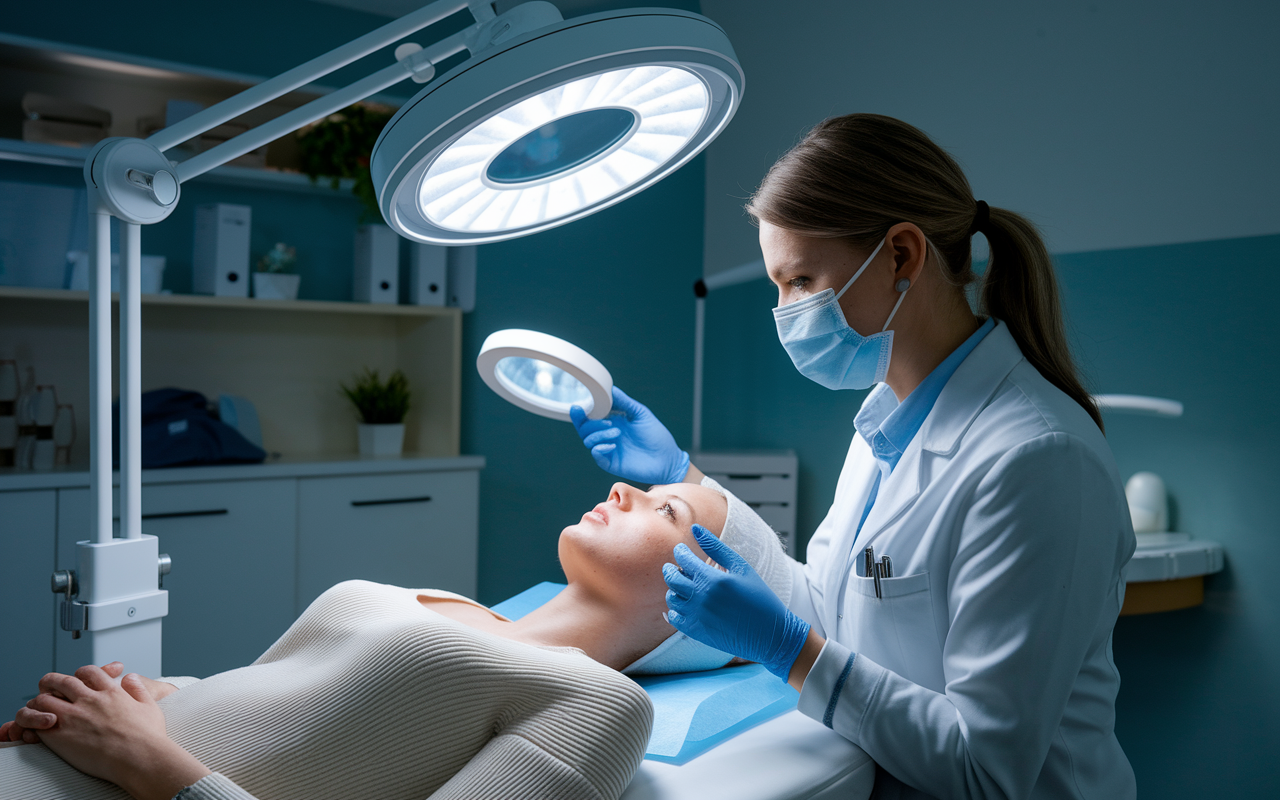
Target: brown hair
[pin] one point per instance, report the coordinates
(856, 176)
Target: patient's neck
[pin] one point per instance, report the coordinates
(612, 633)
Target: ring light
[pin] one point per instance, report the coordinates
(545, 375)
(555, 125)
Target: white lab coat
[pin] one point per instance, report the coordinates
(985, 670)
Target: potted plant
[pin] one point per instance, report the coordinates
(381, 406)
(340, 145)
(275, 278)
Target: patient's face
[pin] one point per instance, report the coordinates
(619, 547)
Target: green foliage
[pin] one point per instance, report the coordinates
(279, 260)
(378, 402)
(339, 146)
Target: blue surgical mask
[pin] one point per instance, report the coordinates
(825, 349)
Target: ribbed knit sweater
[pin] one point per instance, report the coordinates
(372, 695)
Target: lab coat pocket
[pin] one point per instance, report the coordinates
(897, 629)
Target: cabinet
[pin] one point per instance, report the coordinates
(407, 530)
(26, 560)
(251, 547)
(231, 591)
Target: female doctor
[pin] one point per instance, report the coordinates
(954, 617)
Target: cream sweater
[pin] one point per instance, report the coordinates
(372, 695)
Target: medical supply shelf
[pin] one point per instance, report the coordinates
(253, 303)
(287, 357)
(1167, 572)
(252, 545)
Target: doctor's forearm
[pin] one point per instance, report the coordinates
(694, 475)
(804, 662)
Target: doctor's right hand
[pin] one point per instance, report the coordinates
(632, 443)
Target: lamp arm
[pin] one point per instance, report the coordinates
(293, 120)
(303, 74)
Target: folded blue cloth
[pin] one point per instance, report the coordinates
(694, 711)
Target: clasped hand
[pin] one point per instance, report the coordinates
(109, 727)
(734, 610)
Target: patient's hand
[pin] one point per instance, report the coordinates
(113, 729)
(27, 721)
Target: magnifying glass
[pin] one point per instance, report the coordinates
(543, 374)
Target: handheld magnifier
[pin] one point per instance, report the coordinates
(543, 374)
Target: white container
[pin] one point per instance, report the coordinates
(275, 286)
(220, 263)
(377, 268)
(381, 440)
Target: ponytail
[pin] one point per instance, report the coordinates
(1019, 288)
(856, 176)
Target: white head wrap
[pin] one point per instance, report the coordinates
(759, 545)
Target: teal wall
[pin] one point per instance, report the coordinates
(1199, 701)
(618, 284)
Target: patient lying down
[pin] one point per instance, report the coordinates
(383, 692)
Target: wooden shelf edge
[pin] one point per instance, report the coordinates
(242, 303)
(1150, 597)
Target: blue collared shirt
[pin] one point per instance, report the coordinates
(888, 426)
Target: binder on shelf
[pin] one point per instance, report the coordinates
(220, 263)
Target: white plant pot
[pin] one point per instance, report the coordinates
(381, 440)
(275, 286)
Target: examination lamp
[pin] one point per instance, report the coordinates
(545, 375)
(547, 121)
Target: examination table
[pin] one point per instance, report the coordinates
(790, 757)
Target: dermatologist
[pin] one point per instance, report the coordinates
(955, 613)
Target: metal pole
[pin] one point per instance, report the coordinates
(100, 372)
(699, 327)
(284, 83)
(130, 380)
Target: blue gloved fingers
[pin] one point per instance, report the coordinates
(676, 603)
(721, 553)
(601, 437)
(678, 582)
(629, 407)
(690, 564)
(585, 425)
(603, 454)
(677, 621)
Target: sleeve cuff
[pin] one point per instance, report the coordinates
(214, 786)
(181, 682)
(839, 689)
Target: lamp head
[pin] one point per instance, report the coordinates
(544, 374)
(555, 124)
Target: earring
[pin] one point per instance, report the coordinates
(903, 285)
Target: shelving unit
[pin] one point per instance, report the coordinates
(287, 357)
(253, 303)
(59, 156)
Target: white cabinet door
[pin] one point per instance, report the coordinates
(416, 529)
(231, 591)
(27, 524)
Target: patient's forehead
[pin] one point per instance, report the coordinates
(709, 506)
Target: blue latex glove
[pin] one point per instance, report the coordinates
(631, 443)
(733, 611)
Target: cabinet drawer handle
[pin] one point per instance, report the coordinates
(213, 512)
(394, 501)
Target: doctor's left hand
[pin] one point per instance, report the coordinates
(735, 610)
(114, 731)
